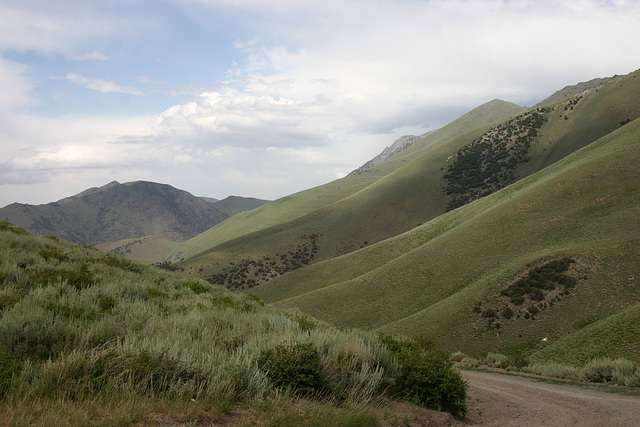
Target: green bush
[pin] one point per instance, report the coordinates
(106, 303)
(427, 375)
(79, 277)
(7, 226)
(458, 356)
(556, 370)
(507, 313)
(121, 263)
(9, 367)
(619, 371)
(197, 287)
(293, 366)
(495, 360)
(597, 371)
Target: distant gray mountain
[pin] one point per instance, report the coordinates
(399, 144)
(121, 211)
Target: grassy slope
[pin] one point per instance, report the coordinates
(382, 202)
(598, 112)
(90, 338)
(406, 190)
(273, 213)
(586, 206)
(558, 137)
(233, 205)
(146, 249)
(612, 336)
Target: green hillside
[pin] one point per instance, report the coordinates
(411, 188)
(343, 215)
(445, 277)
(233, 205)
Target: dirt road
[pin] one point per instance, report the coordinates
(505, 400)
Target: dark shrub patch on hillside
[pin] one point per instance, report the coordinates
(427, 375)
(167, 265)
(249, 273)
(540, 279)
(79, 277)
(489, 163)
(529, 295)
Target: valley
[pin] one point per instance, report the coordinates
(510, 235)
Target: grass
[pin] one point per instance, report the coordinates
(600, 370)
(100, 339)
(612, 336)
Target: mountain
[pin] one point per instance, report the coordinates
(504, 143)
(156, 249)
(119, 211)
(552, 254)
(340, 216)
(447, 277)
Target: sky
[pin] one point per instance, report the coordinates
(266, 98)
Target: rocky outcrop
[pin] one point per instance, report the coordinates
(400, 144)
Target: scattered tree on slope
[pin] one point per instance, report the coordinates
(249, 273)
(489, 162)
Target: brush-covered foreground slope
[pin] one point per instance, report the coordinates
(119, 211)
(408, 189)
(451, 277)
(346, 214)
(90, 338)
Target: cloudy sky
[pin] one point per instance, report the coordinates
(266, 98)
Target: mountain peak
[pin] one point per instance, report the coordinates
(118, 211)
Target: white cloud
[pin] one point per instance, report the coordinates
(95, 55)
(106, 86)
(72, 143)
(61, 26)
(15, 88)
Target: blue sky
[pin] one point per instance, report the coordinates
(263, 99)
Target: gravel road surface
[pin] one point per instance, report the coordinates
(508, 400)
